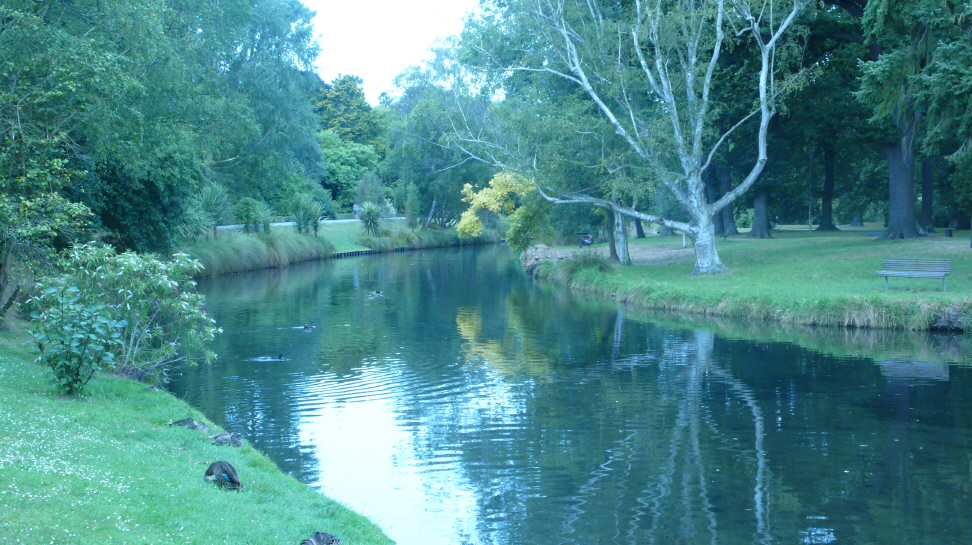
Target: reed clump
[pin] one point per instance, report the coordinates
(403, 237)
(235, 252)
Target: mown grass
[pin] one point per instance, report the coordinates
(798, 277)
(107, 468)
(235, 252)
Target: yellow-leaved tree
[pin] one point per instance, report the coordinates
(514, 196)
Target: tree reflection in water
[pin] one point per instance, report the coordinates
(470, 405)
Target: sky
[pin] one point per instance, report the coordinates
(377, 40)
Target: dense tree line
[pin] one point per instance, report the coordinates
(145, 123)
(653, 111)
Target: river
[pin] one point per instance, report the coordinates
(468, 404)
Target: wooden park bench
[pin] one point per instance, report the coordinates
(914, 268)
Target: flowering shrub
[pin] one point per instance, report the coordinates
(163, 318)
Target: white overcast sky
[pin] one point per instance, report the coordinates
(377, 40)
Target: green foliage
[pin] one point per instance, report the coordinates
(344, 110)
(347, 163)
(265, 216)
(205, 211)
(28, 228)
(307, 214)
(529, 223)
(421, 151)
(370, 217)
(161, 316)
(371, 189)
(74, 338)
(247, 212)
(146, 101)
(413, 204)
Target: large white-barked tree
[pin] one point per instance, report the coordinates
(649, 67)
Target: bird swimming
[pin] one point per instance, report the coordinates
(223, 474)
(376, 293)
(308, 327)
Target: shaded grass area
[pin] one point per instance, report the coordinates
(107, 468)
(235, 252)
(798, 277)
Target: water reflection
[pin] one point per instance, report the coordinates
(469, 405)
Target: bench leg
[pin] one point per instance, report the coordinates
(886, 288)
(943, 284)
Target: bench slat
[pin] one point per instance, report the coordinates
(915, 268)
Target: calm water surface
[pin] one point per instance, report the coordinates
(470, 405)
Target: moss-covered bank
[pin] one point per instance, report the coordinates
(796, 278)
(107, 468)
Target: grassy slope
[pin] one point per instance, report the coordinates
(344, 236)
(797, 277)
(107, 469)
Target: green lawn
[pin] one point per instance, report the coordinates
(107, 468)
(797, 276)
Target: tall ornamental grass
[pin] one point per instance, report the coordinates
(237, 252)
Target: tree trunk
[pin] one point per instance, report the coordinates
(713, 194)
(901, 186)
(857, 221)
(926, 220)
(761, 224)
(609, 223)
(706, 254)
(621, 239)
(725, 184)
(639, 229)
(827, 198)
(428, 220)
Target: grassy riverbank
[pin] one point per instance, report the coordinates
(798, 277)
(107, 468)
(234, 251)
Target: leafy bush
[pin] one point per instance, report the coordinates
(162, 316)
(247, 212)
(75, 339)
(370, 217)
(28, 228)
